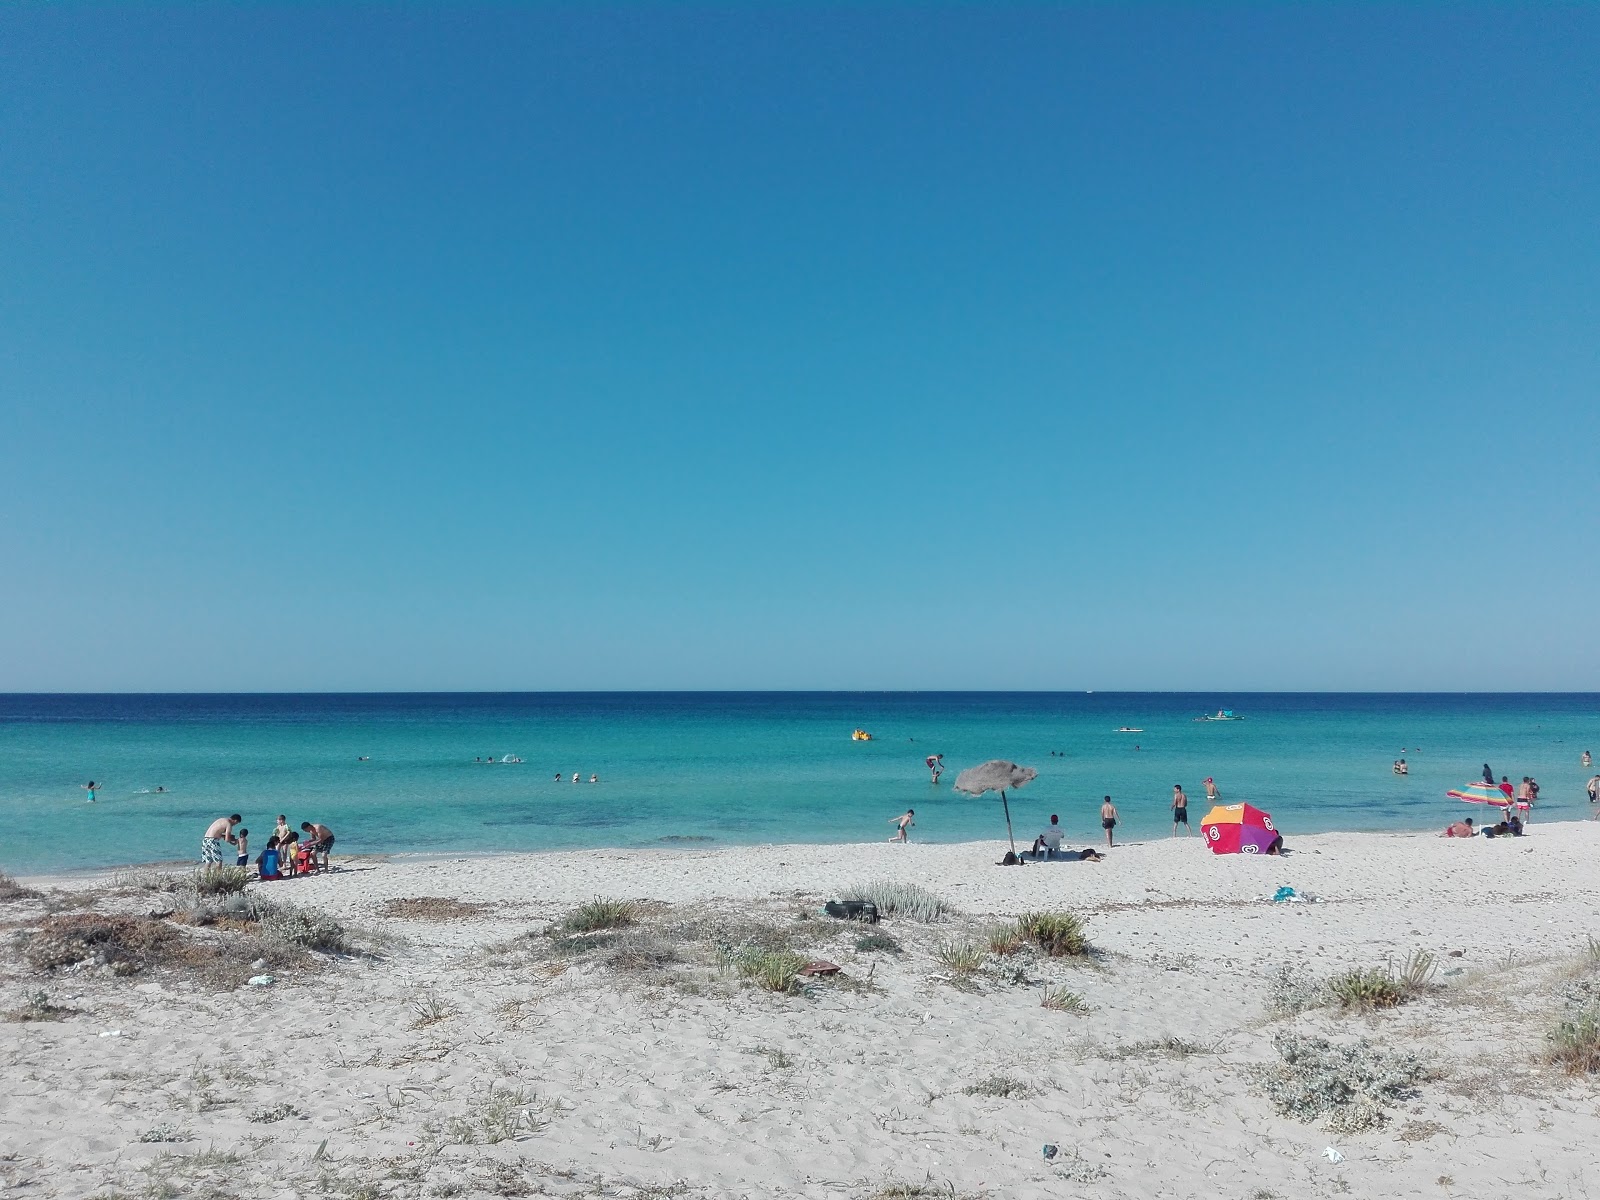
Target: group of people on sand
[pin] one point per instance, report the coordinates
(287, 853)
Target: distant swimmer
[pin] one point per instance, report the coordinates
(159, 789)
(575, 777)
(362, 757)
(90, 788)
(558, 776)
(1400, 767)
(594, 779)
(1586, 760)
(935, 765)
(904, 821)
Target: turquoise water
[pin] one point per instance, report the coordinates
(739, 768)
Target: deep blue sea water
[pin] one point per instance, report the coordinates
(739, 767)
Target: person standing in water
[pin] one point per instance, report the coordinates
(1108, 818)
(905, 822)
(90, 787)
(935, 764)
(1212, 795)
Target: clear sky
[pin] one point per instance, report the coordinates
(531, 347)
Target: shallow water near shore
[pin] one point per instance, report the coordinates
(397, 773)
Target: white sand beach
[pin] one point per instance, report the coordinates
(464, 1057)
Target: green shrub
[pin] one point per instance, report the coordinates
(878, 941)
(600, 913)
(1372, 989)
(220, 881)
(1058, 934)
(309, 928)
(1347, 1084)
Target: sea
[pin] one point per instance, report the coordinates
(411, 773)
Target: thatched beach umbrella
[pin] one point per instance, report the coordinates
(996, 775)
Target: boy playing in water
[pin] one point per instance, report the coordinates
(905, 822)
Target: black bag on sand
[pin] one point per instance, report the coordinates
(852, 910)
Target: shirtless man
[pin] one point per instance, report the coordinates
(1108, 818)
(1212, 795)
(905, 823)
(219, 831)
(321, 841)
(1180, 811)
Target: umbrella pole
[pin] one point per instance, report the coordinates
(1007, 806)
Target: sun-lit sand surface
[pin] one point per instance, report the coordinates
(462, 1058)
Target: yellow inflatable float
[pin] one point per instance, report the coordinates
(861, 735)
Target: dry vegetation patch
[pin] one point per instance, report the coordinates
(11, 890)
(432, 908)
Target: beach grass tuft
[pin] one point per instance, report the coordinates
(1004, 939)
(600, 913)
(1058, 934)
(894, 899)
(1574, 1043)
(774, 970)
(1060, 999)
(1371, 988)
(961, 957)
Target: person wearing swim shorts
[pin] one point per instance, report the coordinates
(904, 821)
(1180, 810)
(218, 832)
(321, 841)
(1108, 818)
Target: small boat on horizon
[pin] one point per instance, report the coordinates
(1128, 729)
(1223, 714)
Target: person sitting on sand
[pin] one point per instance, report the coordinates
(267, 863)
(1090, 855)
(1460, 829)
(321, 841)
(904, 821)
(218, 832)
(1108, 818)
(1275, 846)
(1050, 839)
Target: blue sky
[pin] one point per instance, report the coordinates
(882, 347)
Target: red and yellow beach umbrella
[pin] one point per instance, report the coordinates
(1238, 829)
